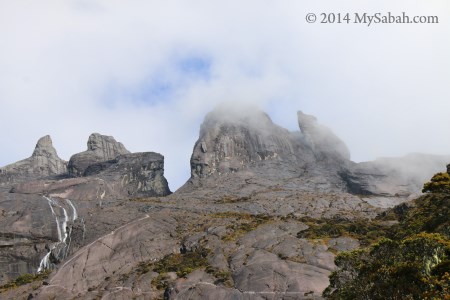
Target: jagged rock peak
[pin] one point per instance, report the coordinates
(100, 148)
(44, 147)
(325, 144)
(43, 162)
(235, 137)
(107, 146)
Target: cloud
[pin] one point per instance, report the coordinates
(147, 72)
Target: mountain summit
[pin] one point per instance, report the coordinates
(43, 162)
(264, 213)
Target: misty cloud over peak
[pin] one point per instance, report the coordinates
(149, 72)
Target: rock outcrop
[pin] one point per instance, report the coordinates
(137, 174)
(240, 151)
(248, 151)
(401, 176)
(105, 171)
(234, 139)
(43, 210)
(100, 150)
(251, 222)
(44, 162)
(325, 144)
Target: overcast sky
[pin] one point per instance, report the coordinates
(146, 72)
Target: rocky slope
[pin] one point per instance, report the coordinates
(45, 213)
(248, 224)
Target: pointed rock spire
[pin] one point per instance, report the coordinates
(325, 144)
(43, 162)
(44, 147)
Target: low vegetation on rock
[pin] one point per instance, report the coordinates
(412, 261)
(25, 279)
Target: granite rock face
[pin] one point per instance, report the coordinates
(43, 211)
(239, 138)
(240, 150)
(44, 162)
(123, 174)
(235, 139)
(325, 144)
(255, 188)
(402, 176)
(100, 149)
(137, 174)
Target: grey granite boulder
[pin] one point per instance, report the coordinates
(100, 150)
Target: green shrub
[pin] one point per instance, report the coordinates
(412, 268)
(439, 183)
(25, 279)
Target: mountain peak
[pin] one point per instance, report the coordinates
(43, 162)
(107, 144)
(44, 147)
(100, 148)
(326, 145)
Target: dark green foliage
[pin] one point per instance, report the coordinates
(244, 223)
(407, 269)
(413, 262)
(363, 230)
(439, 183)
(430, 214)
(182, 264)
(25, 279)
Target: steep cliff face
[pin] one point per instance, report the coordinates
(46, 215)
(100, 149)
(264, 213)
(240, 150)
(233, 139)
(243, 147)
(44, 162)
(325, 144)
(138, 174)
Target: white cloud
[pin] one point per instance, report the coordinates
(73, 68)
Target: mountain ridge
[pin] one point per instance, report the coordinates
(255, 187)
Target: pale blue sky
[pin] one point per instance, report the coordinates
(147, 72)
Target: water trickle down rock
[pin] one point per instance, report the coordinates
(59, 250)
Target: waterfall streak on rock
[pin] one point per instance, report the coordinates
(75, 214)
(62, 230)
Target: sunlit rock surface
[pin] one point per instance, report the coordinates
(100, 149)
(255, 188)
(44, 162)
